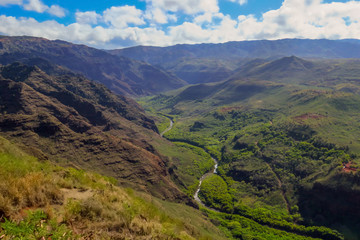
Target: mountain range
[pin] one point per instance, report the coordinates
(201, 63)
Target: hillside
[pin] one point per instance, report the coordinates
(79, 123)
(120, 74)
(333, 73)
(200, 70)
(40, 200)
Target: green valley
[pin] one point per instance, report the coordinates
(288, 151)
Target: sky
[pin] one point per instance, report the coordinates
(111, 24)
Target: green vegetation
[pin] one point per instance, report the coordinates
(35, 225)
(239, 227)
(278, 146)
(214, 193)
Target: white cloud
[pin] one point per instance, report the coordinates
(241, 2)
(121, 17)
(159, 16)
(56, 10)
(10, 2)
(207, 17)
(186, 6)
(126, 25)
(189, 33)
(35, 5)
(90, 17)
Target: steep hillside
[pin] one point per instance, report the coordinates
(200, 70)
(39, 200)
(119, 74)
(80, 123)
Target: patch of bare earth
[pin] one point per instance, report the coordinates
(347, 168)
(308, 116)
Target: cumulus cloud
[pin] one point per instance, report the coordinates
(125, 26)
(10, 2)
(89, 17)
(207, 18)
(186, 6)
(241, 2)
(56, 10)
(123, 16)
(36, 6)
(159, 16)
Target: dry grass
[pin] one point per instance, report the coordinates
(34, 190)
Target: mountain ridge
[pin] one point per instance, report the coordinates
(311, 48)
(120, 74)
(216, 62)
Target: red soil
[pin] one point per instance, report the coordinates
(309, 116)
(348, 168)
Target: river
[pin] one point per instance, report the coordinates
(196, 195)
(213, 171)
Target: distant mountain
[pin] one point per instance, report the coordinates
(260, 75)
(285, 69)
(202, 63)
(321, 48)
(80, 123)
(200, 70)
(120, 74)
(334, 73)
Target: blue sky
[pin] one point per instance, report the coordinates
(122, 23)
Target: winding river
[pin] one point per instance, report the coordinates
(196, 195)
(168, 129)
(213, 171)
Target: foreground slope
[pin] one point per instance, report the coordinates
(80, 123)
(119, 74)
(39, 200)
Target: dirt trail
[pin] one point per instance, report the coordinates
(76, 194)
